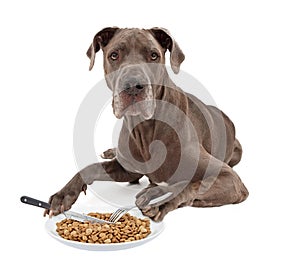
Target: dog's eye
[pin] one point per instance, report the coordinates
(154, 56)
(114, 56)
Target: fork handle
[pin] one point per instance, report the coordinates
(35, 202)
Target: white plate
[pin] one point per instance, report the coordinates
(156, 229)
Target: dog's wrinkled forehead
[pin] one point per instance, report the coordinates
(133, 40)
(147, 44)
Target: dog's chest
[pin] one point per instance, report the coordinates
(150, 148)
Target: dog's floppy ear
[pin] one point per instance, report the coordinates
(101, 39)
(166, 41)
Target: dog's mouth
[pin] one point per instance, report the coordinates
(133, 103)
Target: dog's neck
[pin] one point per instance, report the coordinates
(170, 104)
(169, 92)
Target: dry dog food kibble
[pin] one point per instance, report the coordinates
(128, 228)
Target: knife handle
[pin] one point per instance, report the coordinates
(35, 202)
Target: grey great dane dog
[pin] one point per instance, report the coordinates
(186, 149)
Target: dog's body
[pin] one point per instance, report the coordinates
(186, 148)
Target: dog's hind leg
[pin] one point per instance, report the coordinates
(220, 186)
(226, 188)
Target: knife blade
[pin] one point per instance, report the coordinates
(84, 217)
(68, 214)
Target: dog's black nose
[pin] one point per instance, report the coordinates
(133, 86)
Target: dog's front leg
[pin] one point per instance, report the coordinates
(66, 197)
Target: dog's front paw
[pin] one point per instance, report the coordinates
(157, 213)
(153, 195)
(156, 201)
(66, 197)
(153, 213)
(153, 202)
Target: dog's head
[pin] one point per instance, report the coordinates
(134, 66)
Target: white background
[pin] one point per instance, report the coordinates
(246, 53)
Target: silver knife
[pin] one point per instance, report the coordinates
(68, 214)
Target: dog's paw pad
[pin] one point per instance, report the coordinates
(150, 211)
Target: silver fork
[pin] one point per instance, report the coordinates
(116, 215)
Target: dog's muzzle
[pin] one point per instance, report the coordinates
(133, 93)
